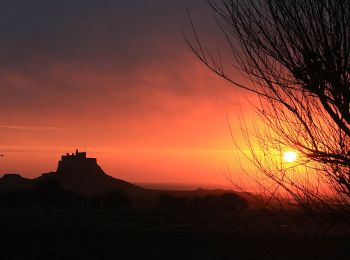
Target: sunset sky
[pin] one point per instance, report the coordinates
(114, 78)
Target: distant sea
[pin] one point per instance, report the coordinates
(182, 186)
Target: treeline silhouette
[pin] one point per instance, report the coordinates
(49, 193)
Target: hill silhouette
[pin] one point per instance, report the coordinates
(75, 172)
(79, 179)
(12, 182)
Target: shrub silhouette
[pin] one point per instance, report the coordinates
(168, 201)
(224, 203)
(15, 198)
(49, 193)
(114, 199)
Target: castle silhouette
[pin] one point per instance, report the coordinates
(76, 165)
(75, 172)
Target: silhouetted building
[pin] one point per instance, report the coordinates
(77, 163)
(76, 156)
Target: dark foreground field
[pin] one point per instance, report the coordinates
(153, 234)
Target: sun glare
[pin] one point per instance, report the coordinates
(290, 156)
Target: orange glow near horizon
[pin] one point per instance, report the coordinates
(165, 137)
(148, 110)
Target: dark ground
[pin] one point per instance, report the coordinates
(64, 218)
(150, 234)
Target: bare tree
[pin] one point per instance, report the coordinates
(296, 55)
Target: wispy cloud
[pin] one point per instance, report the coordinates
(27, 127)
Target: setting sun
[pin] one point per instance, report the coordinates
(290, 156)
